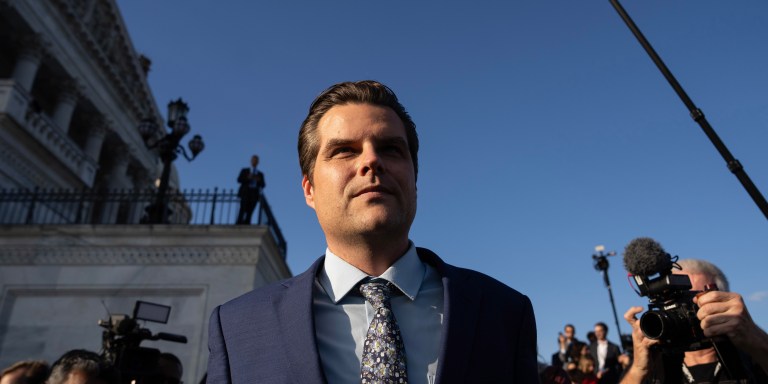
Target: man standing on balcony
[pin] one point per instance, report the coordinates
(251, 183)
(375, 308)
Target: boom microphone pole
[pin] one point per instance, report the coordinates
(698, 116)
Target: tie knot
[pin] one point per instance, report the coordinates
(377, 293)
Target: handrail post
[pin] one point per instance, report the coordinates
(213, 204)
(31, 211)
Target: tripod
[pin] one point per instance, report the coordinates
(601, 264)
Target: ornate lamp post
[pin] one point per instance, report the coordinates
(169, 148)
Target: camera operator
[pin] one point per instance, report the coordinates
(567, 342)
(721, 313)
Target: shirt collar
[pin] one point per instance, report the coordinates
(338, 277)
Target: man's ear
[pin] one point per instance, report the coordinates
(309, 191)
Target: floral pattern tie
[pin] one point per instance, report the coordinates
(383, 351)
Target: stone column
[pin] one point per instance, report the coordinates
(65, 106)
(142, 178)
(142, 190)
(117, 180)
(28, 62)
(118, 174)
(96, 134)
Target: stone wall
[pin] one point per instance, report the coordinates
(56, 282)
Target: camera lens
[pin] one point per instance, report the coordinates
(655, 324)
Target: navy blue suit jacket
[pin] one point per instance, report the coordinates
(268, 335)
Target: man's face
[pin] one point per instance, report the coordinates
(363, 178)
(600, 332)
(569, 331)
(254, 161)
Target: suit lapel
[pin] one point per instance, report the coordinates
(461, 307)
(296, 325)
(461, 310)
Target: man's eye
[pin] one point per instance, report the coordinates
(392, 149)
(341, 151)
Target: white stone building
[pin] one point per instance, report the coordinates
(73, 91)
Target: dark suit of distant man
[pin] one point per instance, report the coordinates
(251, 183)
(611, 370)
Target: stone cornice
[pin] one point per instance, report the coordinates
(37, 245)
(26, 290)
(102, 32)
(84, 255)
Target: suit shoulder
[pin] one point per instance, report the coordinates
(256, 296)
(489, 284)
(477, 279)
(270, 292)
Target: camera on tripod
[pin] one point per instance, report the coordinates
(122, 337)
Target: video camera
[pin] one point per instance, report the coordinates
(121, 339)
(671, 315)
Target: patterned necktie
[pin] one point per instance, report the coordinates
(383, 351)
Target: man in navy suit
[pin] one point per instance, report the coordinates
(358, 154)
(251, 183)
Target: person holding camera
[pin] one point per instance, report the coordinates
(567, 342)
(721, 313)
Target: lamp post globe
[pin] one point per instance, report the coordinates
(176, 109)
(168, 148)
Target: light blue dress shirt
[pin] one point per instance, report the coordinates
(342, 317)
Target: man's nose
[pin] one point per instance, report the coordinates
(371, 162)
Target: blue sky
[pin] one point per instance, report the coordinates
(545, 129)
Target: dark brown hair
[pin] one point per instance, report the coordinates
(35, 371)
(90, 363)
(358, 92)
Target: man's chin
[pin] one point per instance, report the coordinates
(383, 223)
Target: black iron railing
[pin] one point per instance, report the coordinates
(193, 207)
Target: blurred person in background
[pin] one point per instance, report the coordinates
(80, 366)
(26, 372)
(606, 354)
(566, 341)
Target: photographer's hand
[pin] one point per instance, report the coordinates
(724, 313)
(642, 359)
